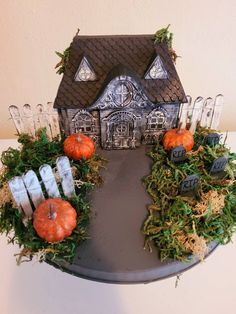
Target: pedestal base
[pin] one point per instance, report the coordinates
(114, 253)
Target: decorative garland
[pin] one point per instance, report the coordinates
(32, 155)
(180, 225)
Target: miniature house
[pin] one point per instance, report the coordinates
(120, 90)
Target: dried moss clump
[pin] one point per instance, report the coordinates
(181, 226)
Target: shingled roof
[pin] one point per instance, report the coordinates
(105, 53)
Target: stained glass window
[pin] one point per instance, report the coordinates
(156, 70)
(85, 72)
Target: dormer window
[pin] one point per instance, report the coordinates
(156, 70)
(85, 72)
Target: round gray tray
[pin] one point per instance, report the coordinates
(114, 253)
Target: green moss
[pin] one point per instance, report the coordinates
(31, 156)
(171, 213)
(164, 35)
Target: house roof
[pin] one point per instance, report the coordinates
(106, 54)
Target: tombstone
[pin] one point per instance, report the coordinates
(219, 165)
(178, 154)
(213, 139)
(189, 184)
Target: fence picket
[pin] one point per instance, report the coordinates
(207, 113)
(197, 113)
(33, 187)
(190, 109)
(183, 115)
(65, 173)
(20, 195)
(49, 181)
(53, 120)
(186, 112)
(218, 105)
(42, 121)
(28, 120)
(17, 119)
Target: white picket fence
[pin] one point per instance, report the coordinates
(28, 185)
(29, 120)
(205, 112)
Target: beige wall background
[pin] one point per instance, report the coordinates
(31, 30)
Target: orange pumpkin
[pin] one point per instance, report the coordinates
(176, 137)
(78, 146)
(54, 219)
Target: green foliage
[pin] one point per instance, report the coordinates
(61, 66)
(171, 214)
(31, 156)
(164, 35)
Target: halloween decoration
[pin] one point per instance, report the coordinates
(54, 220)
(176, 137)
(121, 91)
(32, 155)
(177, 154)
(118, 92)
(78, 146)
(176, 223)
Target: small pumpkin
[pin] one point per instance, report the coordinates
(54, 219)
(78, 146)
(176, 137)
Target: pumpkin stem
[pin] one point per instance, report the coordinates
(52, 215)
(179, 128)
(79, 139)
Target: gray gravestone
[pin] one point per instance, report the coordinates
(213, 139)
(178, 154)
(189, 184)
(219, 165)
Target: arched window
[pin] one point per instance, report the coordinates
(84, 123)
(122, 93)
(156, 120)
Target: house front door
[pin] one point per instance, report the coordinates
(122, 135)
(121, 131)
